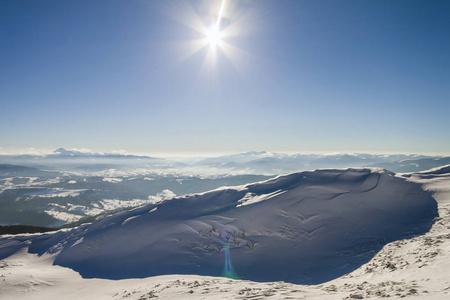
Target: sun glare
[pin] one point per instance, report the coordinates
(213, 36)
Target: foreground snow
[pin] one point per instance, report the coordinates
(416, 267)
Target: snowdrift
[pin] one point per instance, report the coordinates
(307, 227)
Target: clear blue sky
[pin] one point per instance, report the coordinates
(301, 76)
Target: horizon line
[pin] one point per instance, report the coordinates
(194, 154)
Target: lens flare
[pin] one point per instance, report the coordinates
(228, 270)
(213, 34)
(219, 17)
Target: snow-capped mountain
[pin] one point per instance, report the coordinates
(88, 162)
(76, 186)
(304, 227)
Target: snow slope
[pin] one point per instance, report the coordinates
(307, 227)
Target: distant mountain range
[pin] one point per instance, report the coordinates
(261, 162)
(274, 163)
(414, 165)
(87, 162)
(61, 152)
(7, 170)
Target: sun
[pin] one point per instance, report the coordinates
(213, 36)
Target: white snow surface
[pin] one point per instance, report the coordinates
(112, 204)
(56, 192)
(112, 179)
(416, 266)
(252, 198)
(63, 216)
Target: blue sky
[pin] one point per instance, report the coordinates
(289, 76)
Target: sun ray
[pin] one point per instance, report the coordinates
(238, 58)
(187, 49)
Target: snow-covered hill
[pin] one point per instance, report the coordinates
(307, 227)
